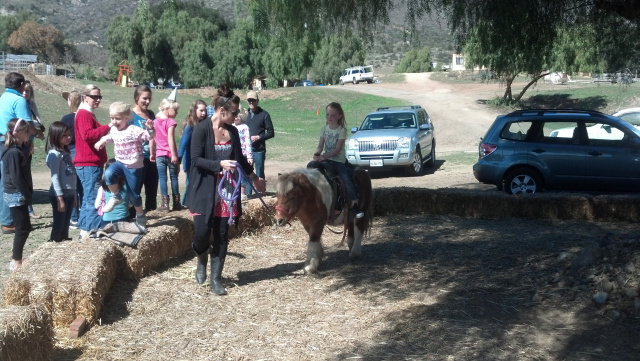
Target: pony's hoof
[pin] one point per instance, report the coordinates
(310, 270)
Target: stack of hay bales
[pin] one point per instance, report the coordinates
(26, 333)
(254, 216)
(168, 237)
(69, 279)
(474, 204)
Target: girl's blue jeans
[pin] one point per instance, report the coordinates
(164, 164)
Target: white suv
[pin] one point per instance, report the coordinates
(394, 137)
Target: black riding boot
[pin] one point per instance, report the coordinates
(217, 264)
(201, 268)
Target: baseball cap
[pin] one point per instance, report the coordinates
(252, 95)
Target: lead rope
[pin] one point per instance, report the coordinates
(226, 175)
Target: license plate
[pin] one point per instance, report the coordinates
(375, 163)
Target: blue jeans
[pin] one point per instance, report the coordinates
(90, 178)
(186, 187)
(75, 213)
(258, 168)
(5, 214)
(132, 177)
(340, 169)
(163, 163)
(61, 220)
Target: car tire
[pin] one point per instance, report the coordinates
(432, 162)
(521, 181)
(355, 81)
(416, 167)
(341, 82)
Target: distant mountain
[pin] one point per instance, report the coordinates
(84, 21)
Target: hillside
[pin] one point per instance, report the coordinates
(86, 21)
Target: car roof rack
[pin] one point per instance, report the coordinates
(541, 112)
(400, 107)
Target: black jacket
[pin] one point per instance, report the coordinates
(17, 173)
(205, 164)
(260, 125)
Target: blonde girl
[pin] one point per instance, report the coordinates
(331, 152)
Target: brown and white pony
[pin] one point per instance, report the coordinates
(307, 195)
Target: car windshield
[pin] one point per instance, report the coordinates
(389, 121)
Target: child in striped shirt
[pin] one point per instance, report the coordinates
(127, 141)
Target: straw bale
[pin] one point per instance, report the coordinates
(254, 216)
(70, 279)
(474, 204)
(168, 237)
(26, 333)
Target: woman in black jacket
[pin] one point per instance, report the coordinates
(215, 154)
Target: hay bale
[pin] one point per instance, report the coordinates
(26, 333)
(69, 279)
(474, 204)
(254, 216)
(168, 237)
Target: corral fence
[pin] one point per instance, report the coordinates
(18, 63)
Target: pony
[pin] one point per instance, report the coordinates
(308, 195)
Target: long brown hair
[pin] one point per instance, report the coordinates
(54, 138)
(192, 118)
(336, 106)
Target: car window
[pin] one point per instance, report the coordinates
(516, 131)
(560, 132)
(372, 122)
(603, 134)
(422, 117)
(631, 118)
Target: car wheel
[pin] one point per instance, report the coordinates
(521, 181)
(341, 82)
(432, 161)
(355, 81)
(415, 169)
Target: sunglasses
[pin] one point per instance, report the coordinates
(252, 100)
(234, 113)
(94, 97)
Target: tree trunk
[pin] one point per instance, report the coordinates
(533, 81)
(508, 95)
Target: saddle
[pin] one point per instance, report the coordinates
(339, 191)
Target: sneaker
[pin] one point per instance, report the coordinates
(34, 216)
(73, 224)
(141, 220)
(357, 211)
(12, 266)
(113, 201)
(84, 234)
(243, 198)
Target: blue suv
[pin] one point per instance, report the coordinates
(394, 137)
(529, 150)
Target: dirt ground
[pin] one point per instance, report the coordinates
(426, 288)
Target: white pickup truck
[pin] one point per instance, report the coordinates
(357, 74)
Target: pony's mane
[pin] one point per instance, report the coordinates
(315, 177)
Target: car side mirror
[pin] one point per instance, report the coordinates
(425, 126)
(354, 129)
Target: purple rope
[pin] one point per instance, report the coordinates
(234, 195)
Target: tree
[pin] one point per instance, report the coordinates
(415, 61)
(336, 53)
(509, 37)
(45, 41)
(9, 24)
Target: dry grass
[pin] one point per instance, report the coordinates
(70, 279)
(26, 334)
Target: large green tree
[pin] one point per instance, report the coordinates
(415, 61)
(170, 40)
(510, 37)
